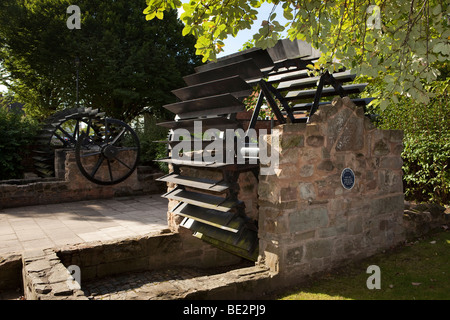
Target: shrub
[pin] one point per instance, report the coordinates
(426, 153)
(151, 150)
(16, 134)
(426, 167)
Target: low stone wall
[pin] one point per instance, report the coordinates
(420, 219)
(308, 221)
(70, 185)
(45, 274)
(101, 259)
(46, 278)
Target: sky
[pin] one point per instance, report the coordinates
(233, 45)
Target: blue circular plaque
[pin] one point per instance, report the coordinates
(348, 178)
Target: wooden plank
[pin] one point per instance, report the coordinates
(199, 183)
(306, 106)
(287, 76)
(223, 220)
(326, 92)
(251, 254)
(312, 81)
(243, 239)
(195, 144)
(234, 85)
(187, 163)
(261, 58)
(201, 200)
(220, 123)
(246, 69)
(214, 105)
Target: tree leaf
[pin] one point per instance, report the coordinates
(160, 15)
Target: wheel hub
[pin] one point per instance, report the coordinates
(110, 151)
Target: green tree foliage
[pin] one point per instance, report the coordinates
(126, 63)
(426, 154)
(17, 132)
(396, 43)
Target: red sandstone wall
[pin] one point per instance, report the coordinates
(73, 186)
(308, 222)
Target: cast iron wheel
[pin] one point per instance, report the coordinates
(62, 130)
(110, 156)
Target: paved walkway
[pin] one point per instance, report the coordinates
(53, 225)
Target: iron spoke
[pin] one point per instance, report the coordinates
(76, 131)
(106, 131)
(127, 148)
(119, 136)
(109, 169)
(97, 165)
(123, 163)
(68, 135)
(61, 139)
(90, 154)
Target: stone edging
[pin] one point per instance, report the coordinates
(46, 278)
(420, 219)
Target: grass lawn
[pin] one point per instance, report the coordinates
(416, 271)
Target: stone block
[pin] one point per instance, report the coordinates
(313, 129)
(346, 101)
(329, 110)
(300, 237)
(291, 127)
(381, 148)
(307, 191)
(352, 137)
(294, 255)
(392, 204)
(394, 163)
(308, 219)
(333, 231)
(326, 165)
(289, 194)
(390, 181)
(292, 141)
(58, 273)
(336, 125)
(266, 192)
(355, 225)
(278, 226)
(290, 156)
(272, 261)
(306, 170)
(38, 266)
(325, 154)
(368, 125)
(319, 248)
(315, 141)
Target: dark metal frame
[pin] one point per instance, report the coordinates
(269, 92)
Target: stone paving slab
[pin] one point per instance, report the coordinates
(53, 225)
